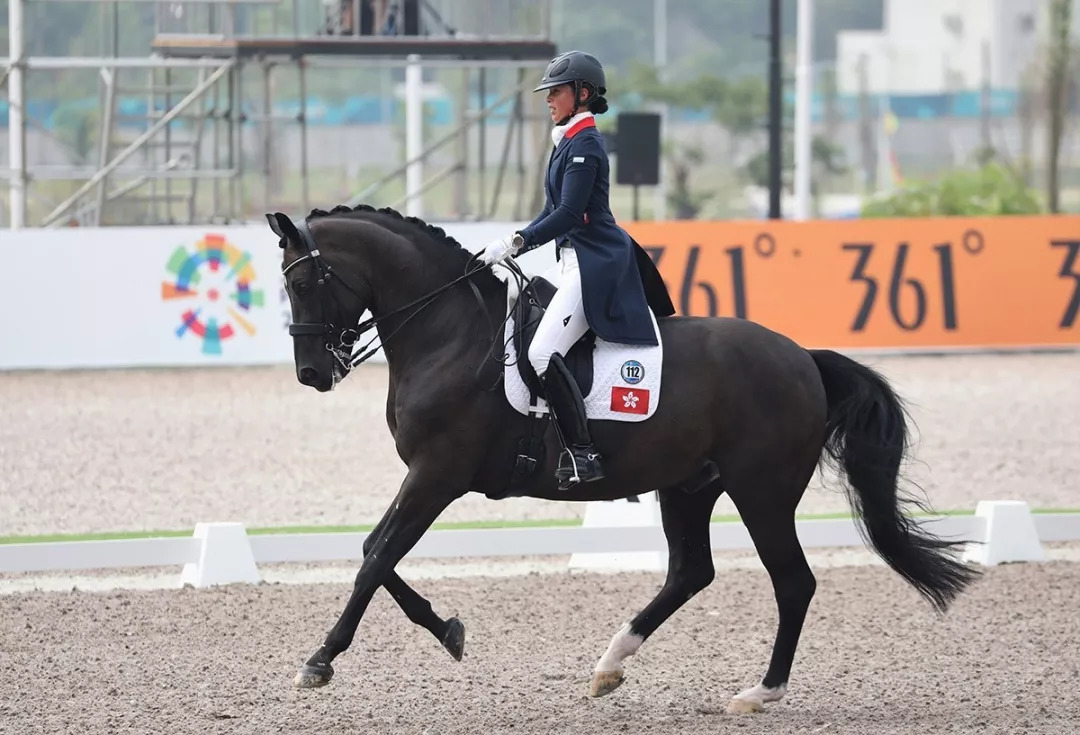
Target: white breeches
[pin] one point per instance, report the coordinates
(564, 321)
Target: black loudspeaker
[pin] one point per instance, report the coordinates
(637, 144)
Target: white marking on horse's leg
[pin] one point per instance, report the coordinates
(623, 645)
(608, 674)
(755, 698)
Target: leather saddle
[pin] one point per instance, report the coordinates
(528, 310)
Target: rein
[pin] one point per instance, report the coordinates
(345, 352)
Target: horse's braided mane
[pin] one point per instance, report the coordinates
(436, 233)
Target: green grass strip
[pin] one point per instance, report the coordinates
(264, 531)
(449, 525)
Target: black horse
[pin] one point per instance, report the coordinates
(744, 410)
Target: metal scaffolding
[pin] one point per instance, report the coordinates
(186, 161)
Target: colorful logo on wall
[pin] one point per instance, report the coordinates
(215, 284)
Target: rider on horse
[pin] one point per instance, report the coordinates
(607, 283)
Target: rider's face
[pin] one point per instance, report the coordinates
(560, 101)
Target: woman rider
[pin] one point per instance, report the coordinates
(606, 282)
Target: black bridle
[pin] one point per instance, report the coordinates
(346, 352)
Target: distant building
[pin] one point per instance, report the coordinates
(942, 47)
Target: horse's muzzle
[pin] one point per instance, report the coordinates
(310, 377)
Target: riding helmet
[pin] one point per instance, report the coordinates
(574, 66)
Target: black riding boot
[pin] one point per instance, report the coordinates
(579, 462)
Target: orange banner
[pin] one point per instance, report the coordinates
(999, 282)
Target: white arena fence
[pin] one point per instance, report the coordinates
(615, 535)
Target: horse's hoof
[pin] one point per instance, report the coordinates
(605, 682)
(739, 706)
(310, 677)
(454, 639)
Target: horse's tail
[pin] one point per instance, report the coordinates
(866, 436)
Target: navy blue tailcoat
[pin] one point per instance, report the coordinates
(619, 281)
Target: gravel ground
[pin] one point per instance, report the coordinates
(157, 449)
(874, 658)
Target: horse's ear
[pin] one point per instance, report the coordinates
(283, 227)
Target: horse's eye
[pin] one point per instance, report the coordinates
(301, 286)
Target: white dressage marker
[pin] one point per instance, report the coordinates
(615, 513)
(225, 557)
(1009, 534)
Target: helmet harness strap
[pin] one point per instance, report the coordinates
(578, 86)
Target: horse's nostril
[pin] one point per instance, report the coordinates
(308, 375)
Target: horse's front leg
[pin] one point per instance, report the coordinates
(450, 633)
(422, 497)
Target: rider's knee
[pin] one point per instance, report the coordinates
(539, 359)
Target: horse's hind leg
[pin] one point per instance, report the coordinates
(770, 519)
(690, 569)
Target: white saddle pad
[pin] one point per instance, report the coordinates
(626, 378)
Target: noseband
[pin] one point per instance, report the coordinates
(345, 352)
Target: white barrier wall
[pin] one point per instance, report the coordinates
(158, 296)
(222, 553)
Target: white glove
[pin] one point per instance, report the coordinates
(498, 251)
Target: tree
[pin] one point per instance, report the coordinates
(990, 189)
(1059, 87)
(686, 202)
(738, 104)
(826, 161)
